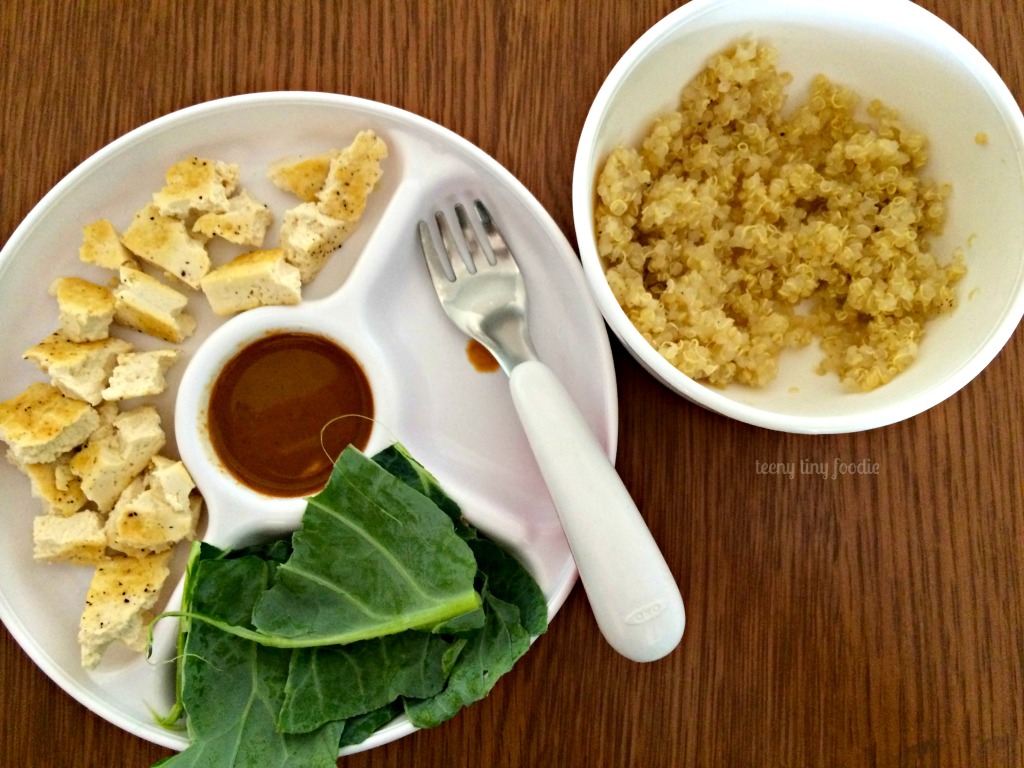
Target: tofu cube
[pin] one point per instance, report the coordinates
(54, 485)
(79, 369)
(102, 246)
(42, 423)
(115, 454)
(140, 374)
(166, 242)
(86, 309)
(353, 175)
(309, 237)
(117, 606)
(147, 305)
(79, 538)
(245, 222)
(196, 185)
(302, 176)
(155, 511)
(253, 280)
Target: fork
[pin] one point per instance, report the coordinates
(631, 590)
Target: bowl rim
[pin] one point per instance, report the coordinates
(714, 399)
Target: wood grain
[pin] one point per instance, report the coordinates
(863, 620)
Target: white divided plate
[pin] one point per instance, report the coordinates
(459, 422)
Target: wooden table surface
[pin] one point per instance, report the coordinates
(868, 620)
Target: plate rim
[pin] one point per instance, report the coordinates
(264, 99)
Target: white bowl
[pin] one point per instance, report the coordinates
(892, 50)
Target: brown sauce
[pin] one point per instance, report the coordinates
(284, 408)
(480, 358)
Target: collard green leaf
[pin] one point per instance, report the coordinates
(507, 577)
(232, 688)
(397, 461)
(509, 580)
(275, 551)
(488, 654)
(462, 624)
(198, 552)
(344, 681)
(373, 557)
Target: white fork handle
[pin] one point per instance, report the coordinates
(631, 590)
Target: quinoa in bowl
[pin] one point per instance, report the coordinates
(743, 225)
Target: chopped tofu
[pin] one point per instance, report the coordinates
(86, 309)
(78, 369)
(245, 222)
(144, 303)
(54, 485)
(121, 594)
(311, 231)
(253, 280)
(102, 246)
(352, 177)
(115, 454)
(304, 177)
(108, 411)
(79, 538)
(197, 185)
(166, 242)
(42, 423)
(140, 374)
(308, 238)
(155, 512)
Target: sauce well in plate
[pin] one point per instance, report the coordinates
(283, 409)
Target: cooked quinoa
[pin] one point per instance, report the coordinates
(742, 227)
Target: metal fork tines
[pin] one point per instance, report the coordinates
(480, 286)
